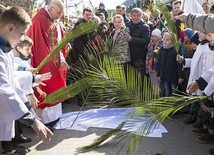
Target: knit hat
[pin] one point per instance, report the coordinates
(156, 32)
(101, 4)
(195, 39)
(188, 32)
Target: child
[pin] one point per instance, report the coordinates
(189, 49)
(195, 72)
(152, 56)
(169, 70)
(14, 22)
(22, 54)
(196, 66)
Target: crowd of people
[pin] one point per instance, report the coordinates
(138, 38)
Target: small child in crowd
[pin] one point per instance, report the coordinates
(152, 56)
(169, 70)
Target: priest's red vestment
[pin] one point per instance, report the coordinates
(45, 34)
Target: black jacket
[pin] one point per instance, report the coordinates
(126, 19)
(80, 43)
(168, 68)
(140, 38)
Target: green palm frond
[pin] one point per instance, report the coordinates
(74, 33)
(110, 83)
(159, 108)
(100, 140)
(68, 92)
(170, 24)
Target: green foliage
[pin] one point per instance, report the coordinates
(74, 33)
(107, 82)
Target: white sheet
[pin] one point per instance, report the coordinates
(108, 118)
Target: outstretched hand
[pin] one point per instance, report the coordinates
(42, 131)
(42, 77)
(193, 87)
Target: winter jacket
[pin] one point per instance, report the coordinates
(120, 50)
(168, 68)
(80, 43)
(140, 38)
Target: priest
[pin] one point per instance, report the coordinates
(46, 32)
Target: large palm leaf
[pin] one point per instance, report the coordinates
(108, 83)
(72, 34)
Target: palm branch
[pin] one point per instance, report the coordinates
(160, 108)
(74, 33)
(107, 82)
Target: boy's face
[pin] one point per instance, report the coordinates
(202, 36)
(87, 15)
(210, 38)
(119, 11)
(15, 33)
(25, 50)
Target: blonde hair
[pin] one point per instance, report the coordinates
(120, 17)
(168, 35)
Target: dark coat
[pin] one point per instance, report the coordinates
(126, 19)
(80, 43)
(168, 68)
(140, 38)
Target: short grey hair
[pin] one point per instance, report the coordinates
(58, 3)
(137, 10)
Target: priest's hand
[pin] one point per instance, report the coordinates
(42, 131)
(64, 65)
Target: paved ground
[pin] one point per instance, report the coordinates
(178, 141)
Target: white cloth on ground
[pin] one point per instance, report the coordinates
(109, 118)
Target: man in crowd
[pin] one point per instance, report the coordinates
(177, 10)
(138, 40)
(80, 44)
(121, 10)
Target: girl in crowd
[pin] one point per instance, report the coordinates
(169, 70)
(120, 35)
